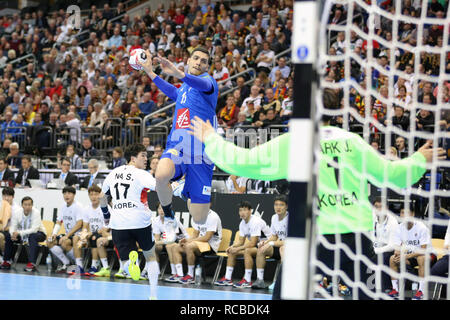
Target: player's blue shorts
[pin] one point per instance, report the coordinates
(198, 173)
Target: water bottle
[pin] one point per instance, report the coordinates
(49, 262)
(198, 275)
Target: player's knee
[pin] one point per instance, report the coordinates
(99, 242)
(420, 260)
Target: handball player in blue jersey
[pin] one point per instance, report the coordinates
(184, 154)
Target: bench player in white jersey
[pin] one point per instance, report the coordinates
(71, 215)
(272, 247)
(413, 235)
(130, 217)
(94, 229)
(209, 233)
(252, 228)
(166, 237)
(385, 226)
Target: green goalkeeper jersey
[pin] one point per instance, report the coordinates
(346, 164)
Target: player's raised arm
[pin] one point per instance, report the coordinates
(267, 161)
(167, 88)
(397, 171)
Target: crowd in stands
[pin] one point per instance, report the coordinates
(393, 104)
(77, 84)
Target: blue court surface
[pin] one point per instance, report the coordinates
(16, 286)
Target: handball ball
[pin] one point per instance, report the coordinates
(137, 55)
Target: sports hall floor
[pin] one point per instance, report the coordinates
(17, 284)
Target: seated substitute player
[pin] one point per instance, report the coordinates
(71, 215)
(252, 227)
(384, 229)
(8, 206)
(166, 237)
(130, 217)
(350, 222)
(183, 154)
(414, 236)
(209, 232)
(272, 247)
(441, 267)
(26, 226)
(94, 226)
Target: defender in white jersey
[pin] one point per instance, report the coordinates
(130, 217)
(166, 237)
(251, 228)
(413, 237)
(71, 216)
(273, 247)
(206, 237)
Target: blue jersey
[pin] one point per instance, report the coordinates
(190, 103)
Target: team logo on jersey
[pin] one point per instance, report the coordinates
(183, 119)
(206, 190)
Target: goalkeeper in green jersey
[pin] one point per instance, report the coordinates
(346, 164)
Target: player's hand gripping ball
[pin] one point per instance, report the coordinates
(137, 57)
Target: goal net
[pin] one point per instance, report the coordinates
(388, 64)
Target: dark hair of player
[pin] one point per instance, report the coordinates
(26, 198)
(8, 191)
(282, 198)
(69, 189)
(133, 151)
(245, 204)
(94, 188)
(204, 50)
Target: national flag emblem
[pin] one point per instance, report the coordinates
(183, 119)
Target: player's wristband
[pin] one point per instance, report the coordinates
(271, 243)
(106, 214)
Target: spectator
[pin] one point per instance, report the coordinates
(242, 120)
(117, 158)
(221, 74)
(9, 126)
(153, 165)
(271, 118)
(26, 173)
(87, 150)
(251, 228)
(65, 175)
(424, 120)
(147, 105)
(75, 160)
(270, 102)
(264, 59)
(236, 184)
(26, 226)
(97, 116)
(94, 177)
(254, 97)
(400, 144)
(285, 70)
(287, 106)
(14, 157)
(73, 125)
(209, 233)
(6, 175)
(229, 114)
